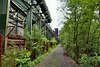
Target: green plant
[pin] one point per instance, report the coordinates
(53, 40)
(8, 59)
(23, 59)
(81, 30)
(44, 39)
(33, 40)
(11, 57)
(41, 57)
(89, 61)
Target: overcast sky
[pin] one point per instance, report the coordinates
(55, 14)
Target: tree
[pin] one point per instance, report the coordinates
(80, 34)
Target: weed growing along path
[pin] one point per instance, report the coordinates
(57, 59)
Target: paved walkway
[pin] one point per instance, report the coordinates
(57, 59)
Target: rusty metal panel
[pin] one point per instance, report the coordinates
(17, 41)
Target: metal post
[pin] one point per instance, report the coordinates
(45, 29)
(39, 21)
(29, 20)
(47, 33)
(50, 35)
(17, 24)
(4, 19)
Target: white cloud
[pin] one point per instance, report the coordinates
(55, 15)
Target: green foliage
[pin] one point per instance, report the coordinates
(33, 39)
(21, 58)
(24, 58)
(44, 39)
(35, 33)
(53, 40)
(8, 60)
(41, 57)
(89, 61)
(81, 31)
(15, 57)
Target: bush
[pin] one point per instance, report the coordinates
(15, 57)
(53, 40)
(89, 61)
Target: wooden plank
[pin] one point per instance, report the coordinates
(14, 40)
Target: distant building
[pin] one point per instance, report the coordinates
(56, 34)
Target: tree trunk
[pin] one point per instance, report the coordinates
(88, 36)
(75, 38)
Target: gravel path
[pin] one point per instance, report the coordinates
(57, 59)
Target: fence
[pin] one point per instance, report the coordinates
(19, 42)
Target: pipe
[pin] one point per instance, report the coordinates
(43, 6)
(39, 1)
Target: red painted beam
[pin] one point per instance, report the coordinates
(24, 42)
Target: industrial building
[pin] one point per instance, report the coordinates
(15, 15)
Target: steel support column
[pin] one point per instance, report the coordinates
(45, 30)
(17, 23)
(50, 35)
(29, 20)
(47, 33)
(4, 19)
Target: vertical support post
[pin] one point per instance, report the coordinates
(38, 23)
(17, 24)
(4, 19)
(39, 20)
(0, 48)
(49, 35)
(29, 20)
(45, 29)
(52, 35)
(24, 42)
(47, 32)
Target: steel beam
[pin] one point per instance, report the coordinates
(17, 23)
(4, 19)
(29, 19)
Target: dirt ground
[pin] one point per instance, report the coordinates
(58, 59)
